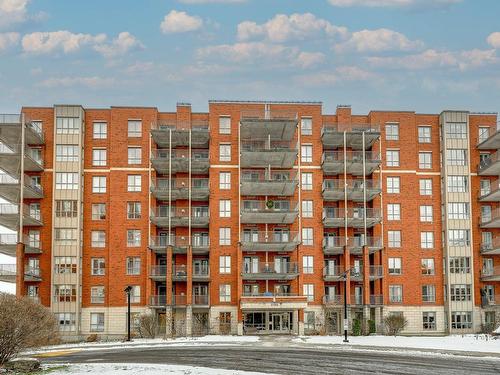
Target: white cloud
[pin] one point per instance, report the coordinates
(180, 22)
(212, 1)
(282, 27)
(338, 75)
(309, 59)
(392, 3)
(377, 41)
(90, 82)
(122, 44)
(494, 40)
(8, 39)
(247, 52)
(63, 40)
(12, 11)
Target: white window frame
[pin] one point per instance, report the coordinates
(99, 130)
(393, 185)
(99, 184)
(306, 153)
(307, 209)
(134, 155)
(425, 160)
(225, 152)
(134, 183)
(392, 131)
(224, 264)
(224, 124)
(224, 208)
(224, 236)
(426, 214)
(425, 186)
(134, 128)
(427, 240)
(306, 181)
(134, 237)
(225, 180)
(422, 136)
(307, 236)
(306, 126)
(99, 157)
(392, 158)
(308, 264)
(394, 239)
(393, 211)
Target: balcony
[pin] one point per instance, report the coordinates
(178, 133)
(335, 300)
(179, 272)
(264, 182)
(356, 299)
(333, 273)
(335, 190)
(32, 274)
(272, 301)
(490, 194)
(376, 272)
(10, 160)
(269, 241)
(180, 189)
(354, 217)
(276, 124)
(490, 166)
(8, 244)
(201, 273)
(10, 130)
(158, 272)
(32, 245)
(267, 153)
(8, 273)
(491, 220)
(356, 273)
(357, 243)
(334, 245)
(201, 300)
(162, 163)
(180, 244)
(333, 162)
(270, 271)
(376, 299)
(332, 135)
(490, 274)
(269, 212)
(490, 143)
(10, 188)
(492, 301)
(162, 217)
(491, 248)
(9, 216)
(160, 301)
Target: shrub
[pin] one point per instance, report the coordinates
(24, 324)
(394, 324)
(148, 325)
(372, 327)
(356, 327)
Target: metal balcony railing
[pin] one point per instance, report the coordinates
(179, 216)
(350, 127)
(337, 184)
(351, 157)
(8, 270)
(273, 114)
(335, 217)
(158, 300)
(491, 247)
(376, 299)
(173, 124)
(269, 212)
(201, 272)
(200, 300)
(356, 299)
(32, 273)
(334, 300)
(8, 209)
(158, 271)
(179, 188)
(261, 240)
(270, 268)
(493, 300)
(9, 118)
(333, 272)
(179, 271)
(491, 220)
(491, 273)
(261, 153)
(269, 206)
(180, 154)
(179, 241)
(489, 165)
(334, 241)
(8, 239)
(376, 272)
(266, 145)
(265, 182)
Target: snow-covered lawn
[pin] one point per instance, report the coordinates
(132, 369)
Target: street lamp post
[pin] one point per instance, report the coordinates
(346, 321)
(128, 290)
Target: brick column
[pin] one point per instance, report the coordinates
(20, 261)
(189, 292)
(239, 289)
(168, 294)
(366, 276)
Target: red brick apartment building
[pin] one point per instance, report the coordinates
(252, 217)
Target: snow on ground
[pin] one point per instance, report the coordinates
(132, 369)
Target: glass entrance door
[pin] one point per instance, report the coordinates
(279, 322)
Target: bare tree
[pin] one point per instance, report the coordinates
(24, 324)
(395, 323)
(148, 325)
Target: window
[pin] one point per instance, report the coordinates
(133, 238)
(133, 266)
(456, 157)
(458, 237)
(225, 180)
(225, 152)
(66, 180)
(65, 293)
(426, 213)
(64, 265)
(394, 238)
(425, 160)
(133, 210)
(66, 321)
(429, 320)
(66, 235)
(485, 214)
(487, 240)
(100, 130)
(428, 293)
(309, 320)
(135, 294)
(225, 293)
(484, 133)
(134, 155)
(97, 266)
(66, 208)
(224, 236)
(392, 132)
(307, 236)
(99, 157)
(457, 184)
(224, 125)
(458, 211)
(67, 153)
(134, 128)
(309, 292)
(97, 294)
(307, 181)
(224, 208)
(134, 183)
(307, 209)
(424, 134)
(98, 184)
(428, 266)
(456, 130)
(225, 264)
(460, 292)
(307, 264)
(393, 211)
(306, 154)
(395, 293)
(306, 126)
(392, 158)
(67, 125)
(98, 238)
(98, 211)
(393, 185)
(394, 266)
(484, 187)
(34, 238)
(461, 320)
(427, 240)
(460, 265)
(425, 185)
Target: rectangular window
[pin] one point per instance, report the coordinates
(392, 132)
(225, 180)
(224, 208)
(458, 237)
(224, 125)
(134, 128)
(100, 130)
(307, 181)
(427, 240)
(484, 133)
(99, 157)
(67, 125)
(67, 153)
(225, 236)
(393, 211)
(428, 266)
(461, 320)
(306, 126)
(425, 160)
(67, 180)
(65, 293)
(307, 236)
(457, 184)
(458, 211)
(225, 264)
(225, 152)
(98, 211)
(395, 293)
(98, 238)
(64, 265)
(306, 154)
(394, 238)
(66, 321)
(66, 235)
(392, 158)
(66, 208)
(225, 293)
(460, 292)
(393, 185)
(424, 134)
(98, 184)
(428, 293)
(460, 265)
(307, 209)
(133, 265)
(135, 294)
(308, 290)
(133, 238)
(456, 157)
(425, 185)
(426, 214)
(98, 266)
(308, 264)
(394, 266)
(456, 130)
(133, 210)
(429, 321)
(134, 155)
(97, 294)
(134, 183)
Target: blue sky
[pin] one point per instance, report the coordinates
(423, 55)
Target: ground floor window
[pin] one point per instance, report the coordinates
(461, 320)
(429, 321)
(96, 322)
(225, 322)
(266, 321)
(67, 321)
(310, 321)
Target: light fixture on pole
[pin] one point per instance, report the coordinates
(128, 290)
